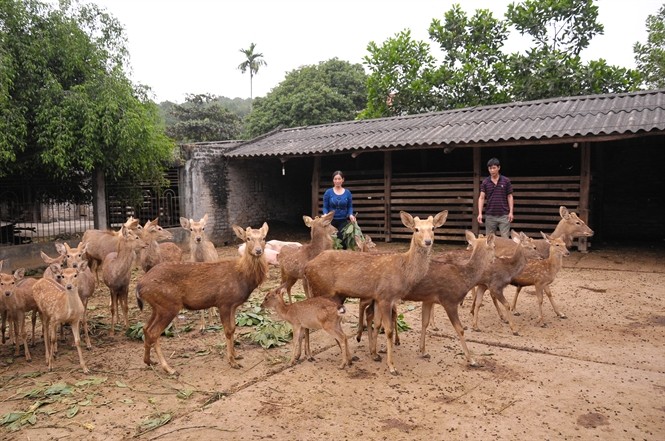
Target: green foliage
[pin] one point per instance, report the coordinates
(135, 331)
(650, 56)
(331, 91)
(474, 68)
(251, 317)
(349, 233)
(67, 107)
(271, 334)
(202, 118)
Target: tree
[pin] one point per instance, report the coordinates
(252, 63)
(68, 110)
(331, 91)
(401, 77)
(475, 69)
(650, 56)
(202, 118)
(561, 30)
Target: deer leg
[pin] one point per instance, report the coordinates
(514, 305)
(556, 310)
(453, 315)
(498, 295)
(114, 311)
(152, 335)
(362, 310)
(53, 337)
(124, 295)
(77, 342)
(24, 335)
(340, 337)
(394, 312)
(4, 324)
(227, 316)
(426, 314)
(539, 296)
(88, 345)
(373, 328)
(148, 337)
(34, 321)
(202, 321)
(478, 293)
(386, 321)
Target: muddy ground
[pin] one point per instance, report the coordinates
(599, 374)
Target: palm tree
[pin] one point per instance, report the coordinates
(253, 63)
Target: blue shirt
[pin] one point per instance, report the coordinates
(342, 204)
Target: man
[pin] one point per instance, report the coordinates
(497, 190)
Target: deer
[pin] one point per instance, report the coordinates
(15, 302)
(103, 242)
(447, 282)
(313, 313)
(74, 258)
(225, 284)
(58, 303)
(510, 261)
(384, 278)
(541, 274)
(117, 271)
(292, 260)
(200, 248)
(570, 227)
(157, 252)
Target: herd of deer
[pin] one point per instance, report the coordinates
(172, 281)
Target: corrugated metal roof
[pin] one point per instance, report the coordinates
(593, 115)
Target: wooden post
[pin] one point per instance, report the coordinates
(387, 182)
(585, 188)
(316, 178)
(100, 216)
(475, 227)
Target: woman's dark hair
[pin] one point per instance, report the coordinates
(338, 172)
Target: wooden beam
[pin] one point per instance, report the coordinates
(585, 189)
(387, 181)
(476, 190)
(316, 177)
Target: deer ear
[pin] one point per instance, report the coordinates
(184, 222)
(264, 229)
(407, 219)
(563, 211)
(240, 232)
(440, 218)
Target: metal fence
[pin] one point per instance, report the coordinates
(25, 220)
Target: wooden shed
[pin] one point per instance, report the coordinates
(600, 155)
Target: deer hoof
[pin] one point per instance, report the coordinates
(394, 372)
(355, 358)
(376, 357)
(516, 333)
(310, 358)
(426, 356)
(563, 316)
(516, 313)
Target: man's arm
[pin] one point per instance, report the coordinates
(481, 204)
(510, 207)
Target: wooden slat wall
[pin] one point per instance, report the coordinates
(537, 201)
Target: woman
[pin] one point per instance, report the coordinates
(340, 200)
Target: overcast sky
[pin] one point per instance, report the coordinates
(179, 47)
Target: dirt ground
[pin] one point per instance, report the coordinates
(599, 374)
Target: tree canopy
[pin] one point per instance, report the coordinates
(328, 92)
(203, 118)
(253, 62)
(66, 105)
(474, 68)
(650, 56)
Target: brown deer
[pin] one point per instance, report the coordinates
(157, 252)
(103, 242)
(15, 303)
(541, 274)
(74, 258)
(200, 248)
(292, 260)
(510, 261)
(225, 284)
(569, 227)
(59, 303)
(446, 283)
(315, 313)
(117, 271)
(385, 278)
